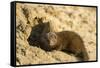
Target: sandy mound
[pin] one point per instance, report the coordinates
(81, 20)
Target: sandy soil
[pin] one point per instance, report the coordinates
(81, 20)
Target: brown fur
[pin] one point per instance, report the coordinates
(66, 41)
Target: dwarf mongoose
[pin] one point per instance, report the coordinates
(66, 40)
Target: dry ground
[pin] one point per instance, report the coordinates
(81, 20)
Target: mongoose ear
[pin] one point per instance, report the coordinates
(52, 35)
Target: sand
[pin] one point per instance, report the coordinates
(81, 20)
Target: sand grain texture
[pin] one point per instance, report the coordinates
(81, 20)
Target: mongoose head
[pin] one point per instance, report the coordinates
(52, 37)
(48, 41)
